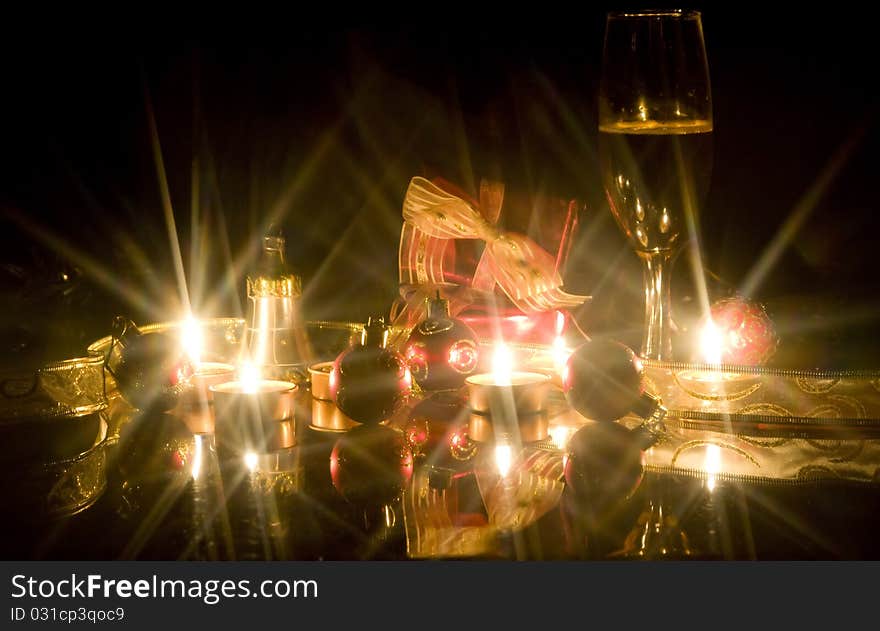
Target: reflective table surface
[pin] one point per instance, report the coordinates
(171, 495)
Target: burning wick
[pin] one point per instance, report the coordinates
(561, 352)
(711, 342)
(560, 434)
(250, 461)
(712, 465)
(192, 340)
(198, 455)
(502, 364)
(248, 376)
(503, 459)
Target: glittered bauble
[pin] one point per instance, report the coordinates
(603, 380)
(740, 332)
(370, 382)
(429, 424)
(153, 368)
(441, 350)
(605, 464)
(370, 465)
(461, 446)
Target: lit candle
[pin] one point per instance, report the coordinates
(508, 398)
(195, 406)
(712, 465)
(712, 342)
(503, 458)
(253, 414)
(326, 417)
(561, 352)
(716, 386)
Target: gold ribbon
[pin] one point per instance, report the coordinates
(525, 272)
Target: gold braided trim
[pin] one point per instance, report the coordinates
(284, 287)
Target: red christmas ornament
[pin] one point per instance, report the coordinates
(603, 380)
(738, 331)
(461, 447)
(370, 465)
(370, 382)
(605, 464)
(431, 422)
(153, 369)
(441, 350)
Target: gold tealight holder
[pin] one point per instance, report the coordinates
(254, 417)
(506, 406)
(326, 417)
(195, 407)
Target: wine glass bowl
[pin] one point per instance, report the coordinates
(655, 145)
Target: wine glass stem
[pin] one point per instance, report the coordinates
(657, 340)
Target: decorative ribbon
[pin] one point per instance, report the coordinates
(525, 272)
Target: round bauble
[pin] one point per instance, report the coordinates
(370, 465)
(605, 464)
(441, 350)
(603, 380)
(370, 382)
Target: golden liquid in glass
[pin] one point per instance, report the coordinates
(655, 174)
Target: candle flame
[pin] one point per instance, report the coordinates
(561, 352)
(192, 339)
(560, 323)
(503, 459)
(711, 342)
(560, 434)
(712, 465)
(502, 364)
(249, 375)
(250, 461)
(198, 455)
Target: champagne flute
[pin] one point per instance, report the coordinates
(655, 145)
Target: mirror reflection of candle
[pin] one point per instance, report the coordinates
(502, 364)
(503, 458)
(250, 461)
(712, 465)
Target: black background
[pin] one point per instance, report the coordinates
(327, 121)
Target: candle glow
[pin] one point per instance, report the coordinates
(249, 377)
(502, 364)
(192, 340)
(503, 459)
(712, 465)
(561, 352)
(711, 342)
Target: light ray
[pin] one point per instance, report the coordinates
(800, 213)
(167, 208)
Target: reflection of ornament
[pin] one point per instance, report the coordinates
(429, 424)
(369, 382)
(737, 331)
(604, 464)
(370, 465)
(441, 350)
(153, 368)
(461, 446)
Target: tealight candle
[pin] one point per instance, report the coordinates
(253, 415)
(507, 397)
(195, 407)
(326, 417)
